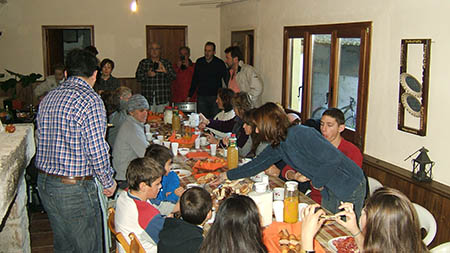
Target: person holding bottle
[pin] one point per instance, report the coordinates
(309, 153)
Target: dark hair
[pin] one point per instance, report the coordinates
(81, 63)
(272, 123)
(106, 61)
(249, 119)
(235, 51)
(59, 66)
(335, 113)
(392, 224)
(237, 228)
(241, 102)
(195, 204)
(144, 170)
(159, 153)
(209, 43)
(91, 49)
(111, 101)
(226, 95)
(186, 48)
(314, 123)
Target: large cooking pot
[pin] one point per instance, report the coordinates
(187, 107)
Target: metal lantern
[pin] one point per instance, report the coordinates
(422, 166)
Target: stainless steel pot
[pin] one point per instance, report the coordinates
(187, 107)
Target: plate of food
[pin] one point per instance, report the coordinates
(343, 244)
(182, 173)
(206, 179)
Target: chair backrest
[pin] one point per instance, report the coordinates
(427, 222)
(118, 235)
(135, 244)
(441, 248)
(373, 184)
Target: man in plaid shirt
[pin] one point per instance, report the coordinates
(155, 76)
(71, 150)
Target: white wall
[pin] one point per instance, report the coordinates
(392, 21)
(119, 33)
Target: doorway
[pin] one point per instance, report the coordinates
(171, 38)
(245, 41)
(59, 40)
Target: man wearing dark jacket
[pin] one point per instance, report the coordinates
(208, 74)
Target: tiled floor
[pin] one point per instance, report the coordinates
(41, 233)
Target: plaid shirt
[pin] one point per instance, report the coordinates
(71, 127)
(160, 84)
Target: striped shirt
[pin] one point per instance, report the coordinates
(71, 128)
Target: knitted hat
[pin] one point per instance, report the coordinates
(137, 102)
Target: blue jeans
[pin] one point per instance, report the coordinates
(74, 214)
(207, 105)
(357, 198)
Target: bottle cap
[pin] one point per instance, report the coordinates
(261, 187)
(291, 185)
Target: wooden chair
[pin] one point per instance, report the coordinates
(135, 245)
(118, 235)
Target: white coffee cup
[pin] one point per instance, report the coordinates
(213, 149)
(147, 128)
(167, 144)
(258, 177)
(301, 206)
(203, 141)
(278, 208)
(175, 148)
(278, 193)
(149, 137)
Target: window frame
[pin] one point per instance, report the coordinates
(343, 30)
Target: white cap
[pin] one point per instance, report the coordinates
(291, 185)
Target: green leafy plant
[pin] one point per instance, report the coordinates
(25, 80)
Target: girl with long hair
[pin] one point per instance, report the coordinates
(237, 228)
(309, 153)
(389, 223)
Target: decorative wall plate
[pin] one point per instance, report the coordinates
(412, 104)
(411, 84)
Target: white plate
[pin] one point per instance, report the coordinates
(331, 245)
(182, 173)
(175, 166)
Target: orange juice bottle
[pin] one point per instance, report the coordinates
(232, 153)
(176, 124)
(290, 202)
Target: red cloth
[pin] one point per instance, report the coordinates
(349, 150)
(182, 84)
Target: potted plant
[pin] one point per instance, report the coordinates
(24, 80)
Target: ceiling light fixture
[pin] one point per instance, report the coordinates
(134, 6)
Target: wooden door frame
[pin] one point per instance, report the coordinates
(147, 27)
(44, 39)
(254, 41)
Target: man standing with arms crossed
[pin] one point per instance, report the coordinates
(71, 151)
(208, 74)
(155, 75)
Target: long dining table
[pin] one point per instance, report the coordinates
(328, 231)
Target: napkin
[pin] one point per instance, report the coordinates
(271, 238)
(201, 155)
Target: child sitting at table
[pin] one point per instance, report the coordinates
(168, 197)
(134, 213)
(186, 235)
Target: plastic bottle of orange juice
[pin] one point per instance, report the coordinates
(232, 153)
(290, 202)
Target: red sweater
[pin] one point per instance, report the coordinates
(181, 85)
(346, 147)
